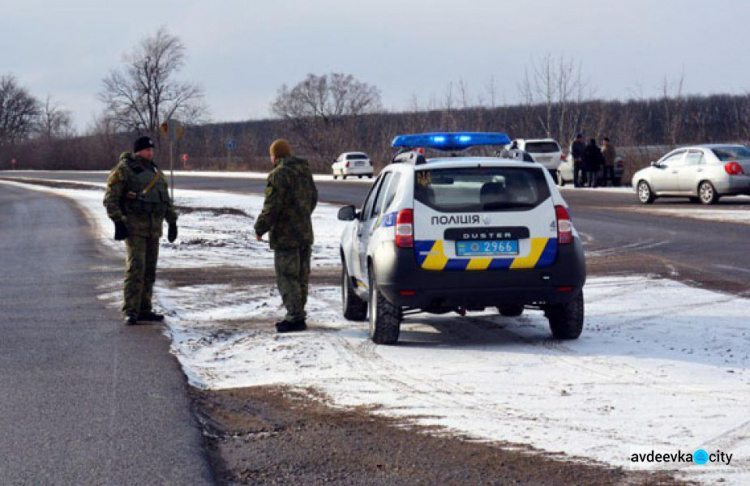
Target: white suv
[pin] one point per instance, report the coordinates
(352, 164)
(461, 234)
(545, 151)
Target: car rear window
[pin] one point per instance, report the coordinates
(481, 188)
(731, 153)
(542, 147)
(356, 157)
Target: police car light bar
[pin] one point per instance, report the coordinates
(450, 141)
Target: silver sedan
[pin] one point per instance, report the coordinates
(702, 172)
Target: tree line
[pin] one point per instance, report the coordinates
(324, 115)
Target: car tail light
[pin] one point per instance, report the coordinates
(562, 157)
(564, 226)
(347, 164)
(405, 229)
(733, 168)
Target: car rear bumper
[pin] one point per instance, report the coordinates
(736, 184)
(405, 284)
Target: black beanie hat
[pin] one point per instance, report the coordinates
(142, 143)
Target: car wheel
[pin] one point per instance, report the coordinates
(359, 177)
(385, 318)
(645, 195)
(560, 180)
(369, 176)
(343, 177)
(355, 309)
(566, 320)
(335, 177)
(707, 193)
(510, 310)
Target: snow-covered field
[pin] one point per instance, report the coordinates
(660, 366)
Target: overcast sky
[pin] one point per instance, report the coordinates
(241, 52)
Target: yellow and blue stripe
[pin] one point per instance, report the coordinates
(431, 256)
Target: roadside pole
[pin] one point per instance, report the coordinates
(172, 130)
(229, 145)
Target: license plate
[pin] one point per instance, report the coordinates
(486, 248)
(359, 164)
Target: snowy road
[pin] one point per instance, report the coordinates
(660, 366)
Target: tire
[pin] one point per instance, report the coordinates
(560, 180)
(335, 177)
(511, 310)
(343, 177)
(707, 193)
(359, 177)
(645, 194)
(369, 176)
(355, 309)
(566, 320)
(385, 318)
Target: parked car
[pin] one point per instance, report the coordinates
(352, 164)
(460, 234)
(703, 173)
(545, 151)
(565, 171)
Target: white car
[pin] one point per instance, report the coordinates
(545, 151)
(460, 234)
(565, 171)
(703, 173)
(352, 164)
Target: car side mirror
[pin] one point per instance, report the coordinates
(654, 164)
(347, 213)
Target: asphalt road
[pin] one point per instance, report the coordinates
(85, 400)
(620, 234)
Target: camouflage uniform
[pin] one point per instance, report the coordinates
(143, 215)
(291, 197)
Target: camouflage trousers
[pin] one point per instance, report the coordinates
(140, 273)
(292, 276)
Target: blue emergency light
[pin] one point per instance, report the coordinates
(450, 141)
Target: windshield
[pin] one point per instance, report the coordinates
(731, 153)
(356, 157)
(481, 188)
(542, 147)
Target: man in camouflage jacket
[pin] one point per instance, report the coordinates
(291, 197)
(137, 200)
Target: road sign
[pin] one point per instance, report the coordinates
(184, 157)
(172, 130)
(229, 144)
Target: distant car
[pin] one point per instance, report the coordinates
(565, 171)
(545, 151)
(703, 173)
(352, 164)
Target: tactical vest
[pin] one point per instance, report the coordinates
(154, 201)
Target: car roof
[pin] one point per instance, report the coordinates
(716, 145)
(527, 140)
(460, 162)
(353, 153)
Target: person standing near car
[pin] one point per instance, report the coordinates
(577, 148)
(592, 162)
(137, 201)
(291, 197)
(609, 153)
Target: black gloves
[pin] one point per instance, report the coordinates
(121, 231)
(172, 233)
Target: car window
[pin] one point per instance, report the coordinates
(381, 194)
(370, 199)
(356, 157)
(694, 157)
(481, 188)
(673, 160)
(392, 190)
(542, 147)
(731, 153)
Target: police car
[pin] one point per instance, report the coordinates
(460, 233)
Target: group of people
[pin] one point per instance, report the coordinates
(592, 165)
(138, 202)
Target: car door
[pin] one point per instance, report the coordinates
(665, 176)
(690, 173)
(364, 227)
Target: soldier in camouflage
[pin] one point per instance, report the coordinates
(291, 197)
(138, 202)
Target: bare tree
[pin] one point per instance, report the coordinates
(317, 109)
(19, 111)
(54, 122)
(145, 93)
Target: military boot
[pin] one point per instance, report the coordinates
(291, 326)
(131, 319)
(149, 316)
